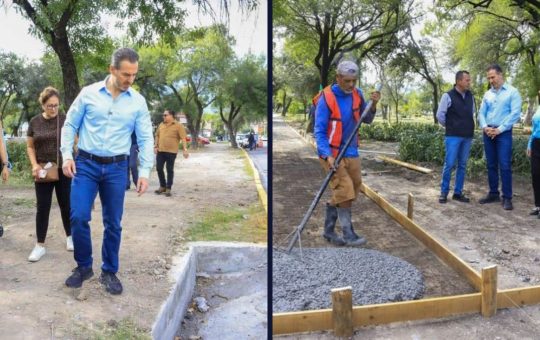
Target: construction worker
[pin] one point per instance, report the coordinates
(338, 111)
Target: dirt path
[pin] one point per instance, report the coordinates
(481, 235)
(34, 302)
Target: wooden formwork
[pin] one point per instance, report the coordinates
(486, 301)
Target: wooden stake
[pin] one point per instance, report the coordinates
(489, 291)
(410, 206)
(407, 165)
(342, 311)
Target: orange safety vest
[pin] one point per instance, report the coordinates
(335, 128)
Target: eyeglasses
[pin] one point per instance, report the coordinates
(52, 106)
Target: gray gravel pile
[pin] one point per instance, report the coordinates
(375, 277)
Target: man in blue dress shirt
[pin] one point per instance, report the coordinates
(500, 110)
(104, 115)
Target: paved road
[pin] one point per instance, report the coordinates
(260, 159)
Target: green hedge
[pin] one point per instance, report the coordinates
(22, 169)
(425, 143)
(384, 131)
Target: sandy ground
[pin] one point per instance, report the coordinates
(35, 303)
(482, 235)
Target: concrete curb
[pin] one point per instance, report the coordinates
(307, 138)
(173, 310)
(260, 189)
(209, 257)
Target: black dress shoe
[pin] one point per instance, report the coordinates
(461, 198)
(535, 211)
(489, 199)
(442, 198)
(507, 204)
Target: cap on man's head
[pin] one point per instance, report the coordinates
(347, 68)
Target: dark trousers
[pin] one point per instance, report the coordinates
(44, 199)
(535, 170)
(165, 158)
(132, 165)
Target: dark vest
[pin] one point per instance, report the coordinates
(460, 116)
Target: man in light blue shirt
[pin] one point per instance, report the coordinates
(104, 115)
(500, 110)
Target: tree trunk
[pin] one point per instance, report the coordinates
(2, 110)
(178, 96)
(19, 122)
(55, 34)
(70, 78)
(530, 112)
(284, 108)
(435, 102)
(229, 123)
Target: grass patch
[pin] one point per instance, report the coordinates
(114, 330)
(25, 202)
(243, 224)
(247, 168)
(20, 179)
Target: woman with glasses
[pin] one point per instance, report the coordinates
(43, 143)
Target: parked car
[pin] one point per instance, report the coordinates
(200, 140)
(242, 140)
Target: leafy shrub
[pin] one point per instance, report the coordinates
(384, 131)
(22, 168)
(425, 143)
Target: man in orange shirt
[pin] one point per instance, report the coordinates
(168, 136)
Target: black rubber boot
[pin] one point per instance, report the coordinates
(329, 225)
(349, 236)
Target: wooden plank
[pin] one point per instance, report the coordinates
(410, 206)
(305, 321)
(416, 310)
(342, 311)
(489, 291)
(517, 297)
(378, 152)
(406, 165)
(443, 253)
(319, 320)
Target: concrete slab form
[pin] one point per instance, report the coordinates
(486, 301)
(208, 257)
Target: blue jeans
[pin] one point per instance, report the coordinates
(457, 149)
(499, 157)
(110, 181)
(133, 155)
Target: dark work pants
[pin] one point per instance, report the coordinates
(44, 200)
(132, 165)
(165, 158)
(535, 170)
